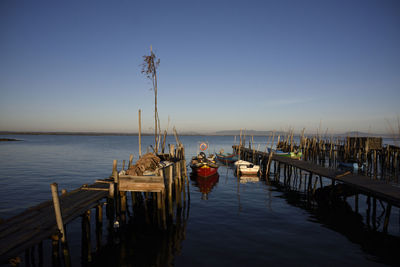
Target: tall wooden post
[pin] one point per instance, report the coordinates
(130, 160)
(172, 150)
(140, 133)
(99, 226)
(57, 210)
(86, 244)
(114, 170)
(170, 179)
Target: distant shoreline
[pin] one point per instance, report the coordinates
(95, 134)
(221, 133)
(8, 140)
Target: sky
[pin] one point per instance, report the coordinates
(256, 65)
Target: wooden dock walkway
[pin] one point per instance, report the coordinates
(387, 191)
(39, 222)
(46, 220)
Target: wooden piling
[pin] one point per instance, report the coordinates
(130, 161)
(57, 211)
(170, 179)
(86, 243)
(172, 150)
(55, 259)
(99, 226)
(140, 134)
(114, 173)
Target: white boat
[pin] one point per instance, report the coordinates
(247, 168)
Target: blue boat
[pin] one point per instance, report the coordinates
(226, 158)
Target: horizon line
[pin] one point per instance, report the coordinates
(216, 133)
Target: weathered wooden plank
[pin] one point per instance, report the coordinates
(141, 183)
(143, 179)
(142, 187)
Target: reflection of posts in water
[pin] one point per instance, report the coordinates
(238, 195)
(86, 242)
(99, 226)
(317, 193)
(123, 207)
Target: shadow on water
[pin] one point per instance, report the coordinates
(141, 241)
(335, 213)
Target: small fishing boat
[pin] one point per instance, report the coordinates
(247, 168)
(226, 158)
(204, 166)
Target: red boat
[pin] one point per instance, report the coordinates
(203, 166)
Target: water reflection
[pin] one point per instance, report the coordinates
(141, 242)
(249, 179)
(205, 184)
(337, 214)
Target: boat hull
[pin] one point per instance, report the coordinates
(248, 172)
(204, 170)
(247, 168)
(227, 158)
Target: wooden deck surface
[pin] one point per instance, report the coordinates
(141, 183)
(387, 191)
(38, 223)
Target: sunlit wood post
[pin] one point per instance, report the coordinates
(57, 210)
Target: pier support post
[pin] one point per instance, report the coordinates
(86, 247)
(57, 211)
(99, 226)
(130, 161)
(60, 224)
(170, 181)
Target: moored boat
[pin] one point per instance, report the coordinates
(247, 168)
(226, 158)
(351, 165)
(204, 166)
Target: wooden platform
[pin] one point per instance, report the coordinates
(38, 223)
(141, 183)
(386, 191)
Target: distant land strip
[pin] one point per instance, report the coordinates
(218, 133)
(8, 140)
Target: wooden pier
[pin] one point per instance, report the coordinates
(39, 222)
(389, 192)
(48, 219)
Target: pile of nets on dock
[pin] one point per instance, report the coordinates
(147, 162)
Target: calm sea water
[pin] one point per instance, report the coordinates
(234, 224)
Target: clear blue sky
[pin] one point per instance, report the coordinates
(262, 65)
